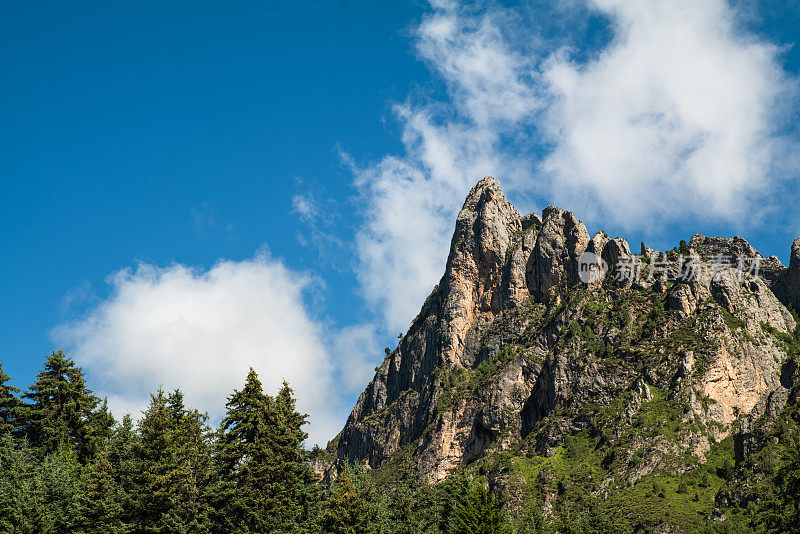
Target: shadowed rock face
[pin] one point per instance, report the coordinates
(794, 274)
(511, 348)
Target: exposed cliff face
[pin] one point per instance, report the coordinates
(512, 352)
(794, 275)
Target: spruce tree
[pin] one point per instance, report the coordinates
(478, 513)
(267, 484)
(99, 427)
(191, 466)
(60, 407)
(345, 511)
(173, 456)
(295, 493)
(10, 406)
(99, 506)
(125, 467)
(243, 458)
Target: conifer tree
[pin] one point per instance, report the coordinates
(478, 513)
(10, 405)
(126, 467)
(99, 427)
(243, 458)
(191, 466)
(99, 507)
(60, 407)
(267, 484)
(175, 464)
(16, 467)
(295, 493)
(345, 511)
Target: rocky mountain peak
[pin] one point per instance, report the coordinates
(513, 351)
(794, 275)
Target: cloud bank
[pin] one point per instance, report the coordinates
(681, 113)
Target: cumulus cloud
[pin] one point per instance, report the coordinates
(201, 330)
(679, 114)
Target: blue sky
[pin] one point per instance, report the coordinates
(188, 189)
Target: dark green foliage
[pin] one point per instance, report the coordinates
(266, 482)
(37, 495)
(731, 321)
(60, 412)
(345, 511)
(10, 405)
(125, 467)
(99, 505)
(478, 513)
(174, 462)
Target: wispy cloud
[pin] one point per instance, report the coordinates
(205, 219)
(680, 114)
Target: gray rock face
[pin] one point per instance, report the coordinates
(554, 261)
(732, 248)
(511, 348)
(615, 250)
(794, 275)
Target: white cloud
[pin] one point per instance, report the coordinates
(412, 201)
(678, 116)
(201, 330)
(306, 207)
(356, 352)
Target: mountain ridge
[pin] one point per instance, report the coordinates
(512, 353)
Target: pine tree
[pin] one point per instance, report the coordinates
(15, 475)
(479, 513)
(54, 491)
(243, 458)
(10, 406)
(60, 408)
(99, 507)
(295, 493)
(151, 497)
(191, 466)
(99, 427)
(173, 456)
(345, 511)
(267, 484)
(126, 467)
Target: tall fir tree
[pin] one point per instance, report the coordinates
(99, 506)
(173, 456)
(295, 492)
(243, 458)
(10, 406)
(126, 467)
(60, 408)
(267, 484)
(99, 427)
(191, 465)
(345, 511)
(478, 513)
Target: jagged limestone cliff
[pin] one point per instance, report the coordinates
(513, 357)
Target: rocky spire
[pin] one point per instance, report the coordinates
(794, 275)
(505, 340)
